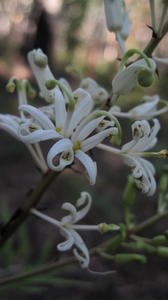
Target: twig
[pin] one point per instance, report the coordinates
(153, 43)
(22, 213)
(38, 270)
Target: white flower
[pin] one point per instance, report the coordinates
(68, 227)
(144, 138)
(126, 80)
(11, 125)
(98, 93)
(75, 131)
(147, 110)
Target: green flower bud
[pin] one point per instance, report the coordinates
(126, 258)
(162, 251)
(163, 183)
(145, 77)
(31, 92)
(103, 227)
(159, 240)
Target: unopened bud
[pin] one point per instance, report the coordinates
(126, 258)
(31, 92)
(103, 227)
(163, 183)
(11, 85)
(159, 240)
(162, 251)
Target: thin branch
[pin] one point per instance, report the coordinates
(38, 271)
(71, 260)
(22, 213)
(153, 43)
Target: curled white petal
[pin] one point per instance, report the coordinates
(96, 139)
(83, 254)
(64, 246)
(71, 218)
(37, 136)
(89, 165)
(38, 115)
(63, 147)
(85, 201)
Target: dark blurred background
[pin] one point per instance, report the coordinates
(69, 32)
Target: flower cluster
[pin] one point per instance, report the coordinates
(76, 121)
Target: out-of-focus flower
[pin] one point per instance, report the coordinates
(147, 110)
(144, 138)
(98, 93)
(118, 20)
(114, 14)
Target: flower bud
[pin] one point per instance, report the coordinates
(162, 251)
(31, 92)
(126, 258)
(145, 77)
(159, 240)
(103, 227)
(125, 80)
(163, 183)
(40, 59)
(114, 14)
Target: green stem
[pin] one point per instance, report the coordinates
(71, 260)
(149, 222)
(153, 43)
(37, 271)
(22, 213)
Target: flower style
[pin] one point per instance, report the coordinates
(76, 130)
(123, 34)
(98, 93)
(144, 138)
(68, 227)
(147, 110)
